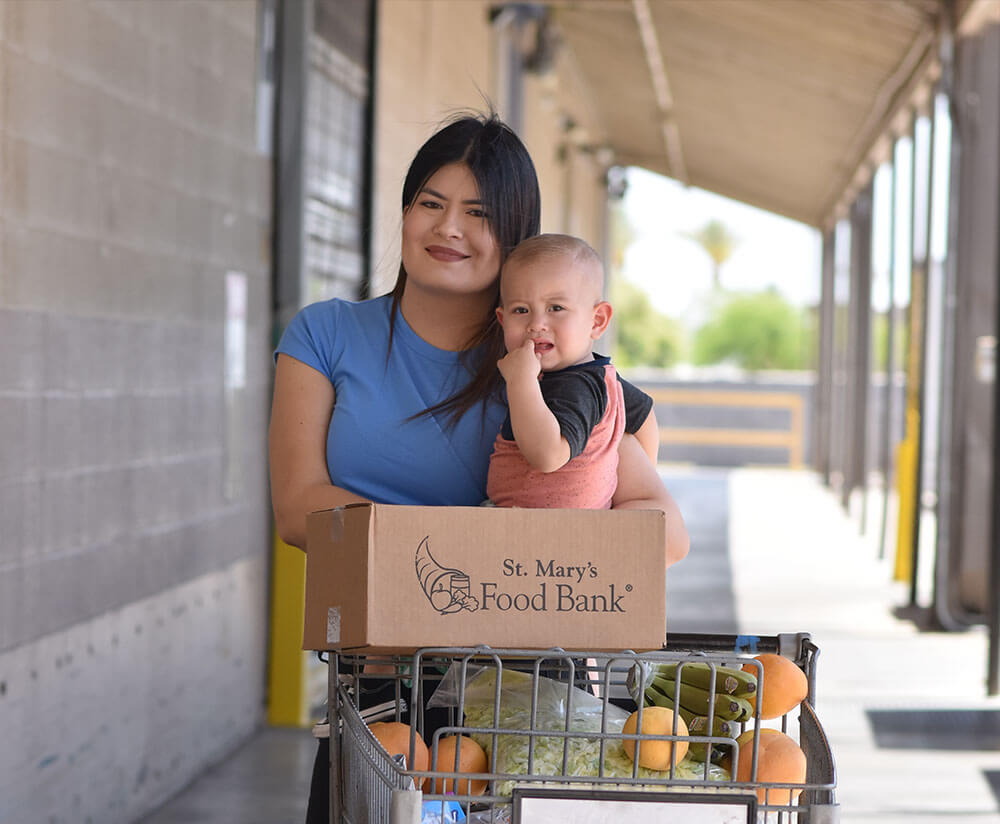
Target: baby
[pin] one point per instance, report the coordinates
(568, 409)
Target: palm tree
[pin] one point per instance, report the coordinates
(718, 242)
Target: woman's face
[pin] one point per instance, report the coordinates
(448, 246)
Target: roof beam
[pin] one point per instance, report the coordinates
(896, 93)
(661, 89)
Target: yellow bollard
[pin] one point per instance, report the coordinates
(906, 487)
(288, 664)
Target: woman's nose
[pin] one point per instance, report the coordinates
(448, 224)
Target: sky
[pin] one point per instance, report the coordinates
(675, 271)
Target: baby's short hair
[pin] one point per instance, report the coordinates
(554, 245)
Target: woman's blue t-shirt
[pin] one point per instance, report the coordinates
(371, 448)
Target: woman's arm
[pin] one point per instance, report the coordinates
(640, 487)
(300, 416)
(648, 436)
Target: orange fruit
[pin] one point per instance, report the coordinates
(471, 759)
(394, 736)
(779, 760)
(783, 685)
(653, 754)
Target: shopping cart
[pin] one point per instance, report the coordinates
(535, 756)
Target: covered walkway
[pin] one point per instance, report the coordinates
(772, 551)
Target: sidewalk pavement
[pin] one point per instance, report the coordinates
(913, 734)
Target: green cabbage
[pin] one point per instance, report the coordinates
(584, 756)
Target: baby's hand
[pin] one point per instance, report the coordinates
(521, 363)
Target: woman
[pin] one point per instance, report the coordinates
(397, 399)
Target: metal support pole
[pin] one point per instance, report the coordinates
(294, 28)
(859, 336)
(825, 366)
(950, 479)
(368, 185)
(993, 593)
(921, 404)
(890, 363)
(993, 596)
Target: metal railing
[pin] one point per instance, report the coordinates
(791, 438)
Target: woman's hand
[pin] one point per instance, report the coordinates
(300, 416)
(640, 487)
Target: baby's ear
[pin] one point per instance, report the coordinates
(500, 315)
(602, 317)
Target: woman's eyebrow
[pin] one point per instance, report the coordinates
(428, 190)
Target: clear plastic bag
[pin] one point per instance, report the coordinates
(587, 713)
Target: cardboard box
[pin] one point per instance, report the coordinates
(383, 578)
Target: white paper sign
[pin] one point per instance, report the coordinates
(235, 334)
(598, 807)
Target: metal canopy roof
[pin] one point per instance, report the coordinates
(777, 103)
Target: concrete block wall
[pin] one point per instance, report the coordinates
(132, 567)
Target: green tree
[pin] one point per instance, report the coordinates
(756, 331)
(644, 336)
(719, 244)
(880, 340)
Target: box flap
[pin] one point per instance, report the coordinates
(337, 577)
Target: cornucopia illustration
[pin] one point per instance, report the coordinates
(448, 590)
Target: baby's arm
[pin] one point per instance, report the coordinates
(536, 429)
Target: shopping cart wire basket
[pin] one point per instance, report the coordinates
(504, 699)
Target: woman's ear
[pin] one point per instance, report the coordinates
(602, 317)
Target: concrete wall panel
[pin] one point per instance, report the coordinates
(116, 713)
(134, 512)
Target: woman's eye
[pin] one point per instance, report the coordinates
(479, 213)
(430, 204)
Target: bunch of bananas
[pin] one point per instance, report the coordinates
(693, 688)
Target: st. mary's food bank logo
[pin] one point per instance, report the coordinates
(449, 590)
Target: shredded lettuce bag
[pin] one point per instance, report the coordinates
(584, 756)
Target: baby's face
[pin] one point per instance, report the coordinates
(554, 302)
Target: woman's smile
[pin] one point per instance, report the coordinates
(445, 254)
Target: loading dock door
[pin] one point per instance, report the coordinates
(962, 583)
(321, 215)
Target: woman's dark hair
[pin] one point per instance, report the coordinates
(508, 189)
